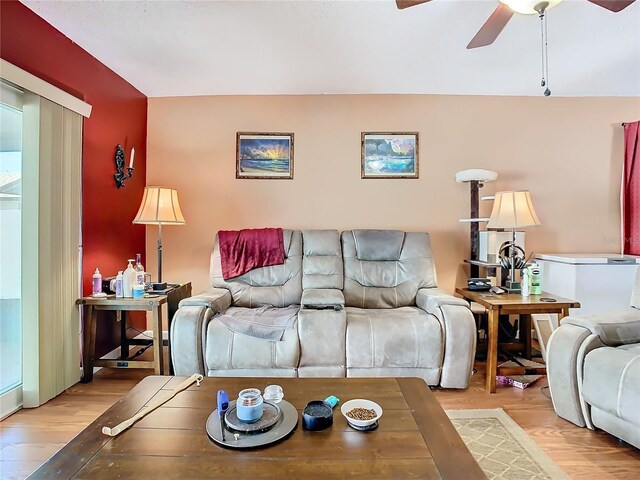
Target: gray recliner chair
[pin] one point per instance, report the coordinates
(209, 347)
(398, 322)
(593, 367)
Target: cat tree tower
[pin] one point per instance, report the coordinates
(476, 178)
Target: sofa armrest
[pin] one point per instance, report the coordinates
(617, 328)
(566, 350)
(459, 334)
(322, 298)
(431, 298)
(187, 342)
(217, 299)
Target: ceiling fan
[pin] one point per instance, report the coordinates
(505, 10)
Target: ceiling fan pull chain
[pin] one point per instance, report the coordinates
(547, 91)
(541, 15)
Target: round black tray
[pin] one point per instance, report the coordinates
(285, 424)
(270, 415)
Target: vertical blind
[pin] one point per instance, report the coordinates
(51, 241)
(51, 234)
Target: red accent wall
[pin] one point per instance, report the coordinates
(119, 116)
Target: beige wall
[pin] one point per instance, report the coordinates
(567, 151)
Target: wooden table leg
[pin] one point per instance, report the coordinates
(563, 313)
(525, 334)
(89, 321)
(492, 349)
(124, 342)
(158, 349)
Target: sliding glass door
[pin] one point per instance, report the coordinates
(10, 250)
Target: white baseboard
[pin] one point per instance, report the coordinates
(10, 402)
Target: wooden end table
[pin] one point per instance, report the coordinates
(415, 438)
(172, 298)
(513, 303)
(89, 323)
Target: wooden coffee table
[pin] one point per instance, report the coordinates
(415, 438)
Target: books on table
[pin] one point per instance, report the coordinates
(519, 381)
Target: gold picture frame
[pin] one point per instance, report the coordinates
(389, 155)
(265, 156)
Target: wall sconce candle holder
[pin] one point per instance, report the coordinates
(120, 176)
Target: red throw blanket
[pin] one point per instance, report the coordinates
(244, 250)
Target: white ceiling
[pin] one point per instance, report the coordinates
(307, 47)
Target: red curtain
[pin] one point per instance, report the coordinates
(631, 189)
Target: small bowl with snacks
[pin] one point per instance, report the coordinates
(361, 414)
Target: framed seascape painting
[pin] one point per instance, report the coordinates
(389, 155)
(264, 155)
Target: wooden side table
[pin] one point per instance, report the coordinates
(90, 320)
(512, 303)
(171, 296)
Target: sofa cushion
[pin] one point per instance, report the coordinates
(631, 347)
(612, 382)
(225, 350)
(377, 245)
(400, 337)
(322, 259)
(277, 285)
(388, 283)
(266, 323)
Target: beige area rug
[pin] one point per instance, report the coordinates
(502, 448)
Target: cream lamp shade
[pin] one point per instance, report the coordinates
(513, 210)
(160, 206)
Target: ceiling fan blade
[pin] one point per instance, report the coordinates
(402, 4)
(613, 5)
(492, 27)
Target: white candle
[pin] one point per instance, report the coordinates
(133, 152)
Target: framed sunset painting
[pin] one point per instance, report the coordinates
(389, 155)
(264, 155)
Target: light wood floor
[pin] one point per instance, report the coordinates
(31, 436)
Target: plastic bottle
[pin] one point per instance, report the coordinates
(524, 282)
(96, 283)
(535, 279)
(138, 291)
(139, 270)
(128, 280)
(119, 289)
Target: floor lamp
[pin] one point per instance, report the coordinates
(512, 210)
(159, 206)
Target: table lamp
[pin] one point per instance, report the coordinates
(159, 207)
(513, 210)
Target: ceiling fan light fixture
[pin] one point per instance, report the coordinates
(528, 7)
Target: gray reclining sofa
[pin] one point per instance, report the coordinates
(593, 366)
(369, 306)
